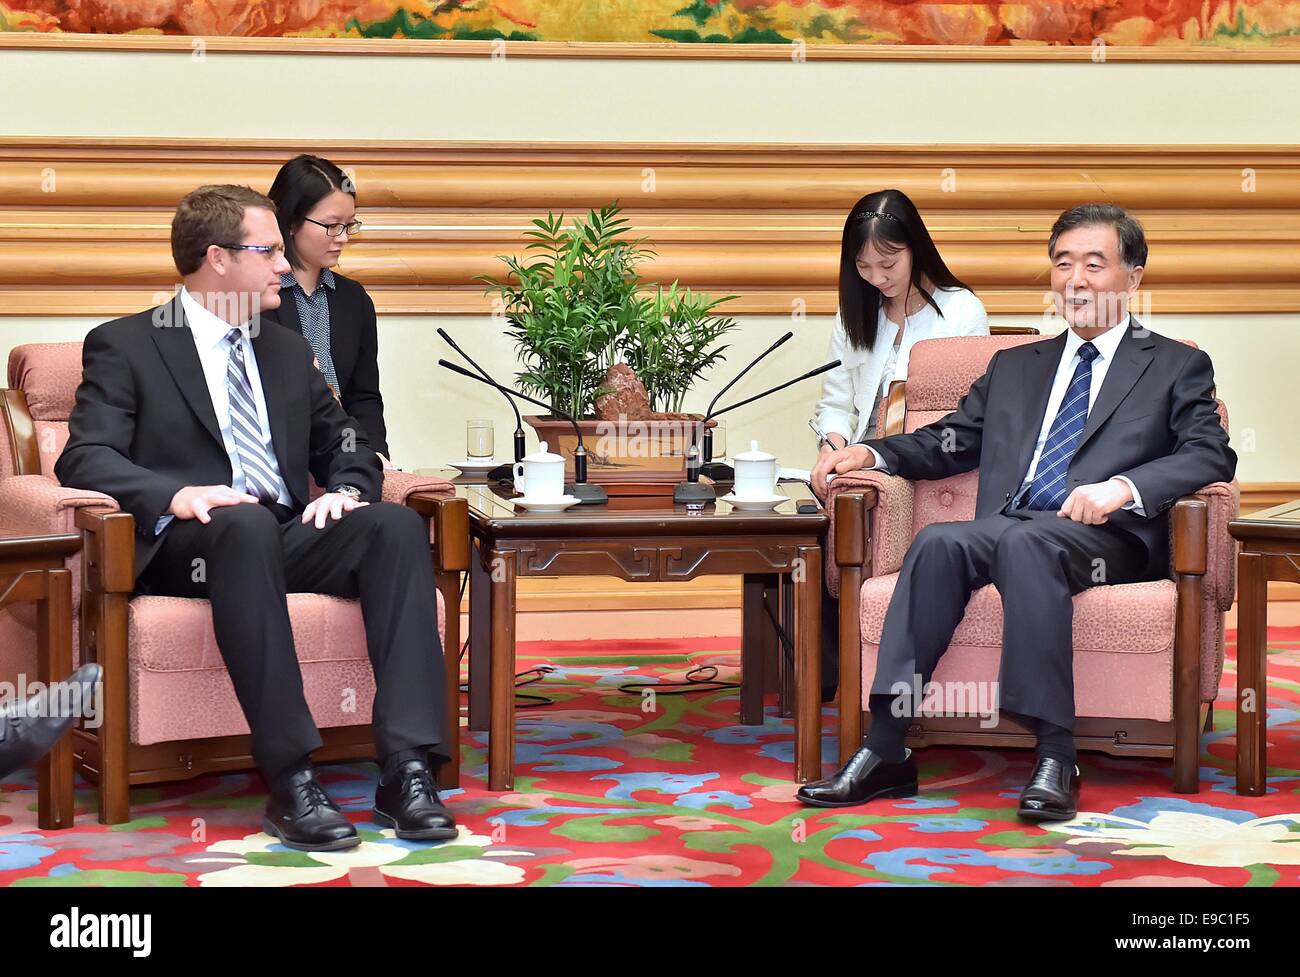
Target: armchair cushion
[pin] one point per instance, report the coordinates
(180, 688)
(1123, 645)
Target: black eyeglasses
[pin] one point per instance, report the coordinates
(273, 250)
(334, 230)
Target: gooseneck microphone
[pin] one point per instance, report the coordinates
(584, 491)
(503, 472)
(692, 491)
(725, 472)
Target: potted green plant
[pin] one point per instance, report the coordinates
(597, 344)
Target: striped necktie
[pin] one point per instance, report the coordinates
(1050, 488)
(256, 456)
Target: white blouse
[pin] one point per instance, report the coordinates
(854, 390)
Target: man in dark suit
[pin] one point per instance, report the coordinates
(1083, 443)
(204, 427)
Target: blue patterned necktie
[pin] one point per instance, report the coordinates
(1050, 488)
(255, 456)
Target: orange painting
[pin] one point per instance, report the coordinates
(1199, 23)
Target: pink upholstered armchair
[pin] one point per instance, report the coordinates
(169, 709)
(1147, 656)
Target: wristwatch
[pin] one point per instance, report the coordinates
(351, 491)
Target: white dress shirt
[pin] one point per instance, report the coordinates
(1107, 345)
(209, 334)
(853, 392)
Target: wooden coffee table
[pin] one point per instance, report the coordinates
(1270, 550)
(32, 568)
(643, 539)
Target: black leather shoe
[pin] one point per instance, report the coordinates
(29, 729)
(302, 816)
(408, 802)
(1052, 793)
(864, 778)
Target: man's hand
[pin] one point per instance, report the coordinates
(1091, 504)
(847, 459)
(331, 505)
(196, 501)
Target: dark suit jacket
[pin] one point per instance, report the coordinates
(143, 426)
(354, 348)
(1154, 421)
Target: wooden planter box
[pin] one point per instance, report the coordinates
(625, 457)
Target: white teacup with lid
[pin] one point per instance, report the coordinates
(755, 474)
(540, 476)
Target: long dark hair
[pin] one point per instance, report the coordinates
(890, 221)
(301, 184)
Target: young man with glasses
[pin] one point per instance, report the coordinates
(204, 427)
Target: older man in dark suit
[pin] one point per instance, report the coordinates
(1083, 443)
(204, 427)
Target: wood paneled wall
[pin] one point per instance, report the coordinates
(84, 222)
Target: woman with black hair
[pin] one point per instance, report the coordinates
(316, 207)
(895, 290)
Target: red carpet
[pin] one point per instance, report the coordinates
(614, 789)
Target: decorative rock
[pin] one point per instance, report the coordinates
(626, 396)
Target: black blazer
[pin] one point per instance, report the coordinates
(1154, 422)
(143, 426)
(354, 348)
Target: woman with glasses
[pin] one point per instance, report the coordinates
(316, 207)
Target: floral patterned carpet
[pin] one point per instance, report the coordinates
(615, 789)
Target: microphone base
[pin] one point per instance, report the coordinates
(717, 471)
(693, 493)
(587, 493)
(502, 473)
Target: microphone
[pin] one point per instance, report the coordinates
(719, 472)
(503, 472)
(585, 492)
(692, 491)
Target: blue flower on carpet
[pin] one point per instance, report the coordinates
(784, 750)
(541, 743)
(943, 825)
(15, 852)
(663, 783)
(922, 863)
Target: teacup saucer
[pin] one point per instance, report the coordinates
(476, 466)
(752, 502)
(546, 505)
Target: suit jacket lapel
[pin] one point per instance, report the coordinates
(1040, 371)
(1132, 357)
(176, 345)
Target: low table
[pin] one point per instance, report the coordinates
(1270, 550)
(32, 568)
(644, 539)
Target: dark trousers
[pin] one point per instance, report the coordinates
(250, 556)
(1038, 561)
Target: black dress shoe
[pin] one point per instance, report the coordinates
(302, 815)
(1052, 793)
(865, 777)
(408, 802)
(29, 729)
